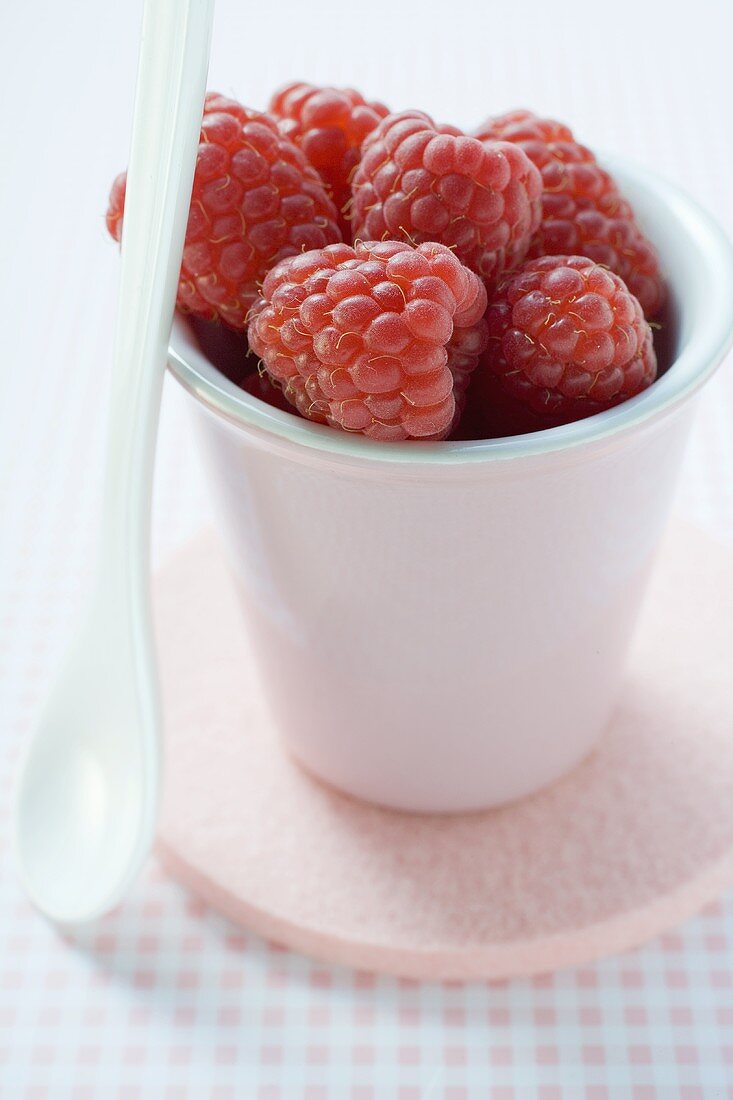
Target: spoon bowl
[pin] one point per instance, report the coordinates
(88, 787)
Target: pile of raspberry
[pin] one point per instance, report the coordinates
(379, 273)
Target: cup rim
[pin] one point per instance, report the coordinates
(710, 338)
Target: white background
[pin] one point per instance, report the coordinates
(649, 80)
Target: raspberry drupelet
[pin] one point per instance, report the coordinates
(256, 199)
(568, 339)
(420, 182)
(329, 125)
(372, 338)
(583, 210)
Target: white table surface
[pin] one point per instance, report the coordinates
(165, 998)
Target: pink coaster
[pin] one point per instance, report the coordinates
(636, 839)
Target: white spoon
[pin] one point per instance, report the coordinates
(87, 795)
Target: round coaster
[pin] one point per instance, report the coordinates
(636, 839)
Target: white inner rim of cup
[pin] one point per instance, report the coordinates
(697, 260)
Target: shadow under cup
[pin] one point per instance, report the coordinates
(443, 626)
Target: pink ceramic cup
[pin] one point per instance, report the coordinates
(443, 626)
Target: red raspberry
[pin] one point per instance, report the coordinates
(329, 125)
(358, 337)
(420, 182)
(466, 345)
(568, 339)
(583, 211)
(255, 200)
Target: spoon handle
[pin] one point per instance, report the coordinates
(171, 84)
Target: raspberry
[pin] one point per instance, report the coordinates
(583, 211)
(255, 200)
(358, 337)
(420, 182)
(568, 339)
(329, 125)
(464, 351)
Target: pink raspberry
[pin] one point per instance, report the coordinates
(256, 199)
(465, 348)
(583, 211)
(329, 125)
(568, 339)
(362, 338)
(420, 182)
